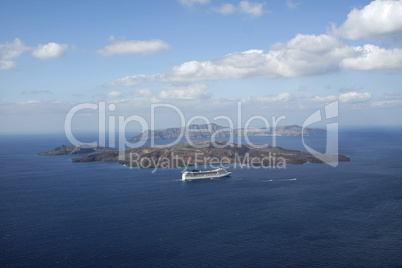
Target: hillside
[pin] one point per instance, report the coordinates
(206, 131)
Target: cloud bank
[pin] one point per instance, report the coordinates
(304, 55)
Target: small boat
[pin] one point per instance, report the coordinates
(209, 174)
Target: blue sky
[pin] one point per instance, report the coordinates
(274, 57)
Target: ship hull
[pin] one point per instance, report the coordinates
(214, 174)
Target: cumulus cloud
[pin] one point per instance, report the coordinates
(354, 97)
(7, 65)
(304, 55)
(134, 47)
(190, 3)
(379, 19)
(224, 9)
(49, 51)
(253, 9)
(113, 94)
(9, 51)
(13, 49)
(196, 91)
(301, 56)
(371, 57)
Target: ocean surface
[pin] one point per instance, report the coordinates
(55, 213)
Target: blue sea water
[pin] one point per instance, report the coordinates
(55, 213)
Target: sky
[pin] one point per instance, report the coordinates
(204, 59)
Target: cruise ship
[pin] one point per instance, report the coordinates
(209, 174)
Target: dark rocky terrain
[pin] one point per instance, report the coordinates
(186, 154)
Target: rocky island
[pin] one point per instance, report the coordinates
(207, 153)
(201, 152)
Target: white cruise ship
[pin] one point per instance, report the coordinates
(209, 174)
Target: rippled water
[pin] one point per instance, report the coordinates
(57, 213)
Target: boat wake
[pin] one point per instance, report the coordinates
(281, 180)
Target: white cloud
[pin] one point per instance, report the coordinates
(196, 91)
(12, 50)
(321, 99)
(113, 94)
(370, 57)
(190, 3)
(381, 18)
(9, 51)
(387, 103)
(288, 102)
(224, 9)
(354, 97)
(301, 56)
(49, 51)
(304, 55)
(34, 92)
(291, 5)
(134, 47)
(7, 65)
(282, 97)
(245, 7)
(142, 92)
(253, 9)
(28, 102)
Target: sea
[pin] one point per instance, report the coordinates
(55, 213)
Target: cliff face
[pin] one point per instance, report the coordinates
(186, 154)
(206, 131)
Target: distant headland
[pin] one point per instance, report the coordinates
(207, 131)
(75, 150)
